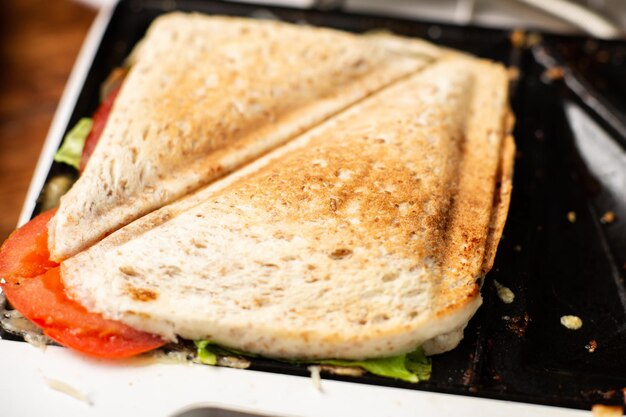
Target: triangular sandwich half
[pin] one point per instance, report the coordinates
(205, 95)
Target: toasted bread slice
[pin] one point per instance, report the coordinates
(365, 237)
(206, 95)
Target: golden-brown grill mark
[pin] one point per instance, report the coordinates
(340, 253)
(141, 294)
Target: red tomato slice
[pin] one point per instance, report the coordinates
(25, 252)
(36, 290)
(43, 301)
(100, 118)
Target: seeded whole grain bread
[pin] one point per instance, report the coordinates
(365, 237)
(205, 95)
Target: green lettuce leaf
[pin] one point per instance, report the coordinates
(205, 352)
(72, 148)
(205, 349)
(420, 364)
(410, 367)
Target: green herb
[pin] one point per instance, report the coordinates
(72, 148)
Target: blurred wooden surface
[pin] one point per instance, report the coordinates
(39, 41)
